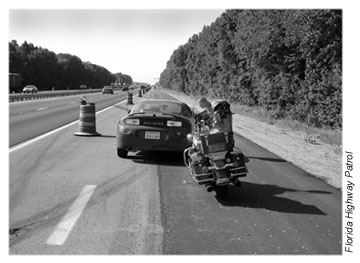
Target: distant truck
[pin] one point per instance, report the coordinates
(15, 83)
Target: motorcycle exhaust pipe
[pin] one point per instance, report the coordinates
(237, 182)
(209, 188)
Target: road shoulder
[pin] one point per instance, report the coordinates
(319, 160)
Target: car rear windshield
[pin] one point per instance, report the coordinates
(165, 107)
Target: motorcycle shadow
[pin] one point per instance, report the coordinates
(158, 158)
(268, 197)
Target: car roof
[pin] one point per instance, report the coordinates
(163, 100)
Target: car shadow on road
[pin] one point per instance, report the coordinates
(107, 136)
(158, 158)
(270, 197)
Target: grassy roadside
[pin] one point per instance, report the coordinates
(314, 135)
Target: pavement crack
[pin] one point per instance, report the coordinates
(16, 230)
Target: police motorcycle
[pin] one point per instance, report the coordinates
(213, 159)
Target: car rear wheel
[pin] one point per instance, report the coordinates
(122, 153)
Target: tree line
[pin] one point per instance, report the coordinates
(286, 61)
(47, 70)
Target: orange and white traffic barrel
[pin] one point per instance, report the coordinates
(87, 120)
(130, 98)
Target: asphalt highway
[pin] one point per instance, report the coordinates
(29, 119)
(73, 195)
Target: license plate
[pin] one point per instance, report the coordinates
(152, 135)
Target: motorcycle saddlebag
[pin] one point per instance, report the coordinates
(198, 166)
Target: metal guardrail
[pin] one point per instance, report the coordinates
(49, 94)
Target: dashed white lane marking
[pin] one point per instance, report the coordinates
(63, 229)
(44, 108)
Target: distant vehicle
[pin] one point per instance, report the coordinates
(125, 88)
(30, 89)
(14, 82)
(155, 125)
(107, 89)
(83, 86)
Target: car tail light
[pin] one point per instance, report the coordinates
(174, 123)
(132, 121)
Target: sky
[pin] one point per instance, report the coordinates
(136, 42)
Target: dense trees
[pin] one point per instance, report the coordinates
(46, 70)
(287, 61)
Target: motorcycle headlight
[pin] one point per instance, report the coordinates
(132, 121)
(174, 123)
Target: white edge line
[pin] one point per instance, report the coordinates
(26, 143)
(44, 108)
(63, 229)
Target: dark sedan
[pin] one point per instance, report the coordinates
(154, 124)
